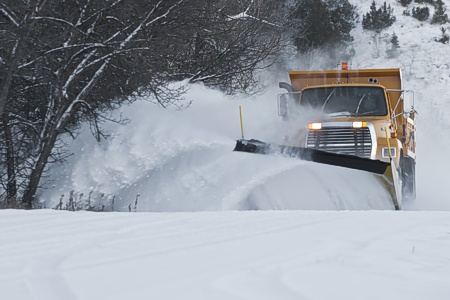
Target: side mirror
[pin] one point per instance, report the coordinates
(282, 105)
(408, 102)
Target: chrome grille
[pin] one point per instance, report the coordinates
(342, 140)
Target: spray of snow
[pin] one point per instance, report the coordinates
(183, 161)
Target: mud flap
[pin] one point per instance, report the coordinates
(385, 172)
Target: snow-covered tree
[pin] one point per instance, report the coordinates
(378, 19)
(432, 2)
(392, 51)
(421, 13)
(68, 62)
(319, 23)
(439, 16)
(394, 41)
(444, 38)
(405, 2)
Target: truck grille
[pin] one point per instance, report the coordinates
(342, 140)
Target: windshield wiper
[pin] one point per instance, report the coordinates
(341, 114)
(359, 103)
(368, 112)
(326, 100)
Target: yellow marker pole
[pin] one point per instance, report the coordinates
(242, 123)
(388, 143)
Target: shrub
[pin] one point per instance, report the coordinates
(439, 16)
(421, 13)
(405, 2)
(432, 2)
(444, 37)
(392, 51)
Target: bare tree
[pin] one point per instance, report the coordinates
(232, 40)
(68, 62)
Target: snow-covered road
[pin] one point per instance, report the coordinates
(54, 255)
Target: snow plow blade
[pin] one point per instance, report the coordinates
(318, 156)
(383, 170)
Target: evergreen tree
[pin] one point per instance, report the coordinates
(370, 20)
(432, 2)
(405, 2)
(421, 13)
(342, 18)
(444, 37)
(387, 15)
(394, 42)
(393, 49)
(321, 23)
(378, 19)
(439, 16)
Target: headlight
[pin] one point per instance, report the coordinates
(359, 124)
(314, 126)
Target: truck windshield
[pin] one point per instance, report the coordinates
(345, 100)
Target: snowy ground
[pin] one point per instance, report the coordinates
(51, 255)
(312, 232)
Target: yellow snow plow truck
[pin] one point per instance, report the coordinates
(358, 119)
